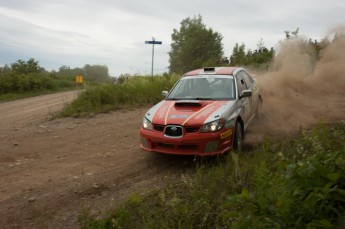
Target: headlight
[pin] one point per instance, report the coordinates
(213, 126)
(147, 124)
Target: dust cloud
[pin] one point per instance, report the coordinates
(300, 91)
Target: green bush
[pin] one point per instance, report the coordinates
(303, 188)
(20, 83)
(134, 91)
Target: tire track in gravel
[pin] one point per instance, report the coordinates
(50, 170)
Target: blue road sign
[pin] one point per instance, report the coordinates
(153, 42)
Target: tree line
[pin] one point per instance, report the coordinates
(193, 46)
(28, 76)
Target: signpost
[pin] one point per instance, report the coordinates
(79, 79)
(153, 43)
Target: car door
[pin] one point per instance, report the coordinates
(245, 102)
(250, 85)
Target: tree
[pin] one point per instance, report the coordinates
(68, 72)
(97, 72)
(5, 70)
(238, 56)
(259, 58)
(22, 67)
(291, 34)
(194, 46)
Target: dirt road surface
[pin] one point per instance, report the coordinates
(52, 169)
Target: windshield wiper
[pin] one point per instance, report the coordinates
(196, 98)
(173, 98)
(201, 98)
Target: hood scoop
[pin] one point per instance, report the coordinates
(190, 103)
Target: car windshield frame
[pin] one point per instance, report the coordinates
(204, 87)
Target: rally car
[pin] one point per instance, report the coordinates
(205, 113)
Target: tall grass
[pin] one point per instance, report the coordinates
(297, 183)
(134, 91)
(17, 86)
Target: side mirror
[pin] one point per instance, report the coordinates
(246, 93)
(164, 93)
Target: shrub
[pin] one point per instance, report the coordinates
(134, 91)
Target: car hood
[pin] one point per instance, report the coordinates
(187, 112)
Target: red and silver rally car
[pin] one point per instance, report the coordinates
(205, 113)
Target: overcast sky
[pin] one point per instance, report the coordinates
(113, 32)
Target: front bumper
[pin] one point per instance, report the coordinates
(201, 144)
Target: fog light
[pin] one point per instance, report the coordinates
(144, 142)
(211, 146)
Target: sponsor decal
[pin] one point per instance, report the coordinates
(226, 134)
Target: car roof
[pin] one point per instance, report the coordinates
(213, 71)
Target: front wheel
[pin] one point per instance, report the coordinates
(238, 137)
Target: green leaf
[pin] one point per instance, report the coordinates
(244, 194)
(333, 176)
(320, 224)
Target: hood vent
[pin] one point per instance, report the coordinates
(190, 103)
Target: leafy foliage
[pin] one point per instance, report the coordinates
(260, 58)
(194, 46)
(96, 72)
(137, 90)
(28, 77)
(28, 67)
(303, 188)
(99, 73)
(291, 34)
(238, 56)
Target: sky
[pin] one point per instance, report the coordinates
(113, 33)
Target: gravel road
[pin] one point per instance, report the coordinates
(50, 170)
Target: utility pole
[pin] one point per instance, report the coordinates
(153, 42)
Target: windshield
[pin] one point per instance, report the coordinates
(208, 87)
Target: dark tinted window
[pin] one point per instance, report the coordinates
(247, 79)
(241, 85)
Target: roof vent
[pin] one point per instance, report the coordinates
(209, 69)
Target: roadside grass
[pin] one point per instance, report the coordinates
(18, 86)
(133, 92)
(294, 183)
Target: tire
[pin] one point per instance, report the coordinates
(238, 137)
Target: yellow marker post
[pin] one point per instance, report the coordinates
(79, 79)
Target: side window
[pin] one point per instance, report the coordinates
(248, 80)
(240, 83)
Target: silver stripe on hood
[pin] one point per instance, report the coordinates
(150, 113)
(219, 112)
